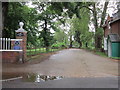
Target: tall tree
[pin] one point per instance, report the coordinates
(51, 10)
(98, 13)
(80, 26)
(19, 12)
(98, 28)
(46, 16)
(4, 12)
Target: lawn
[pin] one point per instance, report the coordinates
(115, 57)
(39, 50)
(101, 53)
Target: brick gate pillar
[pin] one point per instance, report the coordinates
(22, 34)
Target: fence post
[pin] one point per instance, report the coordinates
(1, 43)
(9, 40)
(6, 44)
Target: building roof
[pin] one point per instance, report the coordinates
(114, 20)
(109, 19)
(114, 37)
(116, 17)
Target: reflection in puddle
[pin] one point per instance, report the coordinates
(30, 77)
(40, 78)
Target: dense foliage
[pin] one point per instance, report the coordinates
(55, 24)
(18, 12)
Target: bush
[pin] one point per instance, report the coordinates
(59, 45)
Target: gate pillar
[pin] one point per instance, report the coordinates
(22, 34)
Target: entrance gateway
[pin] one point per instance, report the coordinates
(14, 50)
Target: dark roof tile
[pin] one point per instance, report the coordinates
(114, 37)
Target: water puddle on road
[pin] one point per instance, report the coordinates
(29, 77)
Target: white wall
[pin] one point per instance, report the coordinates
(109, 48)
(105, 44)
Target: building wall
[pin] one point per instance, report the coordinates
(106, 28)
(109, 48)
(11, 55)
(115, 27)
(105, 44)
(112, 48)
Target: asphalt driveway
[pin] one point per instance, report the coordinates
(79, 68)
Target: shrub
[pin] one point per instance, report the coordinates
(59, 45)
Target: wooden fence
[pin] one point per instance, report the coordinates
(6, 44)
(34, 50)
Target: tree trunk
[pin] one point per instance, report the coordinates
(47, 49)
(80, 44)
(86, 45)
(96, 26)
(98, 42)
(70, 46)
(98, 38)
(102, 21)
(4, 14)
(46, 42)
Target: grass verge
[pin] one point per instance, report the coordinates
(116, 58)
(40, 50)
(97, 52)
(101, 54)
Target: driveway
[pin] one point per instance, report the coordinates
(77, 67)
(71, 63)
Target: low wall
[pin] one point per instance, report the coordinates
(12, 56)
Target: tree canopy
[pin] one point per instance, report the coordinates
(48, 22)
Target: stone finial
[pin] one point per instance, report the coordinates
(21, 24)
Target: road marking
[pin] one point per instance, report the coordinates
(11, 79)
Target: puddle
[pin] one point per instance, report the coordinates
(40, 78)
(29, 77)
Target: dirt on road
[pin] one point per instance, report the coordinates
(68, 63)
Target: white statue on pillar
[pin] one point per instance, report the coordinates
(21, 24)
